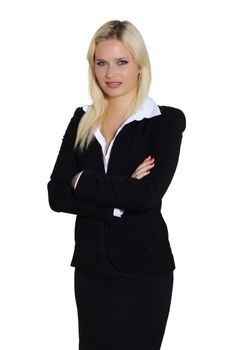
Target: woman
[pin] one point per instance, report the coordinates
(117, 159)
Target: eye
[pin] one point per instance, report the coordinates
(121, 62)
(100, 63)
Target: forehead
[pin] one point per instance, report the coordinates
(111, 48)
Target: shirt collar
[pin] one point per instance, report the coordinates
(148, 109)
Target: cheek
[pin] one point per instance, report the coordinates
(132, 77)
(96, 73)
(100, 74)
(130, 73)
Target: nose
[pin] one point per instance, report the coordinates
(109, 71)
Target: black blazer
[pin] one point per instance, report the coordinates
(138, 240)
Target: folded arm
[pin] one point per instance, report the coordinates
(130, 193)
(60, 192)
(116, 211)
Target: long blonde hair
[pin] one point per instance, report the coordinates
(129, 35)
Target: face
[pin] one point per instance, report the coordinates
(115, 70)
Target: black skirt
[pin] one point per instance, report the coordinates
(120, 311)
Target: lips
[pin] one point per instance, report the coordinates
(113, 84)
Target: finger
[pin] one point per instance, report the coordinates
(148, 159)
(147, 162)
(142, 172)
(146, 165)
(143, 167)
(140, 176)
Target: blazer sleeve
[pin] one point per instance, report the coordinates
(116, 211)
(130, 193)
(60, 192)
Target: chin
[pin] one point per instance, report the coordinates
(116, 94)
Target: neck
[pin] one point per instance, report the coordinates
(118, 106)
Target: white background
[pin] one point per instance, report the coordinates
(43, 80)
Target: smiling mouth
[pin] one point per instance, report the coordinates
(113, 84)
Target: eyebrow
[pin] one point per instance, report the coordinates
(120, 58)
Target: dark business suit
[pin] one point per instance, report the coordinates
(125, 305)
(138, 240)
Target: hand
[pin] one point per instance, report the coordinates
(144, 168)
(74, 178)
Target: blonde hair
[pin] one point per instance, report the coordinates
(129, 35)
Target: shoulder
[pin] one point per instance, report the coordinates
(74, 121)
(172, 117)
(78, 113)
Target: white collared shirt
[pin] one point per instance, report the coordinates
(148, 109)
